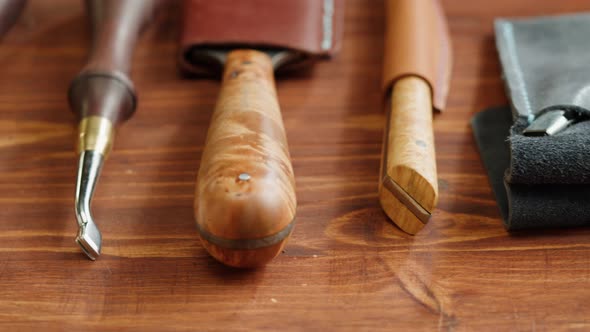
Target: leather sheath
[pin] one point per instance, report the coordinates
(540, 181)
(417, 43)
(311, 27)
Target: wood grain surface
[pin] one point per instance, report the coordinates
(345, 267)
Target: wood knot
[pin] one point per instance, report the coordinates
(235, 73)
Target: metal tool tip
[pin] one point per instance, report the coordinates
(89, 237)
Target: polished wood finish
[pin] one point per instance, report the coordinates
(116, 26)
(408, 156)
(245, 197)
(345, 267)
(103, 87)
(10, 11)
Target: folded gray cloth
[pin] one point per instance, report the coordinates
(546, 67)
(560, 159)
(541, 181)
(525, 206)
(545, 61)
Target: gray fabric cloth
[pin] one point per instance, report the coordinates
(545, 66)
(560, 159)
(540, 181)
(545, 61)
(525, 206)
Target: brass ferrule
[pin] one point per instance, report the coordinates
(96, 133)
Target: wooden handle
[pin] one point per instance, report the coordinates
(408, 189)
(103, 87)
(10, 11)
(245, 200)
(116, 25)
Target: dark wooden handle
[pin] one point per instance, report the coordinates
(103, 87)
(10, 10)
(116, 25)
(245, 201)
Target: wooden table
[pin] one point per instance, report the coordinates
(345, 268)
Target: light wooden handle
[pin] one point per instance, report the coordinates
(408, 189)
(245, 201)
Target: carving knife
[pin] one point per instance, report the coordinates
(245, 194)
(416, 77)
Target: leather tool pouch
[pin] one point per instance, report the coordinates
(540, 173)
(312, 28)
(415, 29)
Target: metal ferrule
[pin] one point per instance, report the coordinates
(96, 133)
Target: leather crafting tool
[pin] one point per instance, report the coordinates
(103, 95)
(416, 78)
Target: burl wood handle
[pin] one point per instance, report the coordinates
(245, 196)
(104, 82)
(408, 188)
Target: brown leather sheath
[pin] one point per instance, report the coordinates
(416, 29)
(311, 27)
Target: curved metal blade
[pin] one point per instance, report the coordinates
(89, 237)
